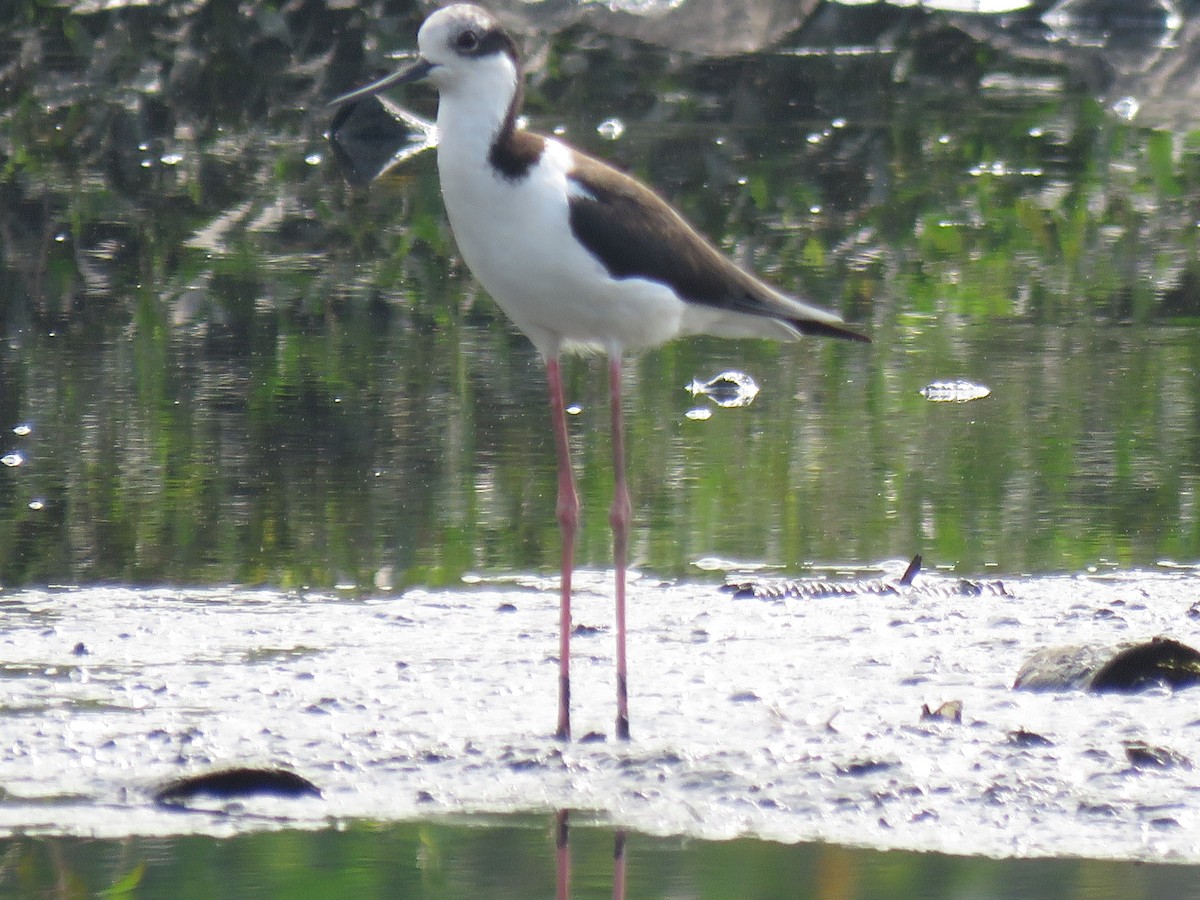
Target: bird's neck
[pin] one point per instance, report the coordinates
(473, 118)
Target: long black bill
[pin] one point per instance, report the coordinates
(414, 72)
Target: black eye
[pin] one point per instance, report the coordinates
(466, 41)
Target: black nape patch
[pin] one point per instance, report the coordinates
(515, 152)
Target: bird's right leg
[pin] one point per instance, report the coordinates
(619, 517)
(568, 523)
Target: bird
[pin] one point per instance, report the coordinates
(582, 257)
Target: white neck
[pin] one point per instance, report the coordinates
(472, 109)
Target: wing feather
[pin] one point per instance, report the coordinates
(634, 233)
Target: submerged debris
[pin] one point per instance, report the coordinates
(1060, 668)
(1126, 668)
(1146, 756)
(1023, 738)
(229, 784)
(880, 587)
(860, 767)
(954, 391)
(728, 390)
(950, 711)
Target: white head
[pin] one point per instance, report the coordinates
(465, 42)
(468, 56)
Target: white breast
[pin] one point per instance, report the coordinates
(516, 238)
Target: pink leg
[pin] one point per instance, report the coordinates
(619, 517)
(568, 522)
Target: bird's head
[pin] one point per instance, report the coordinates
(463, 51)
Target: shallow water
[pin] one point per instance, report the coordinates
(788, 721)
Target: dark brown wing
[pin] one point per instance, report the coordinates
(634, 233)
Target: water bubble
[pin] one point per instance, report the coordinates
(560, 130)
(12, 460)
(35, 505)
(314, 159)
(171, 159)
(23, 429)
(728, 390)
(573, 410)
(1126, 108)
(699, 414)
(611, 129)
(838, 123)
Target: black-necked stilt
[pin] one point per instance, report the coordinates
(580, 257)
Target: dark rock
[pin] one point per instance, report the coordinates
(1126, 668)
(1161, 661)
(228, 784)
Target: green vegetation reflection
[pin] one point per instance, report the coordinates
(223, 364)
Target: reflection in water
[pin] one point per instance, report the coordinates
(373, 136)
(510, 858)
(562, 856)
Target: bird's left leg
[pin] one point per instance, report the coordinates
(619, 517)
(568, 522)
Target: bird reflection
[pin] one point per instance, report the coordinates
(562, 848)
